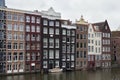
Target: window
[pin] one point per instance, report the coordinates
(44, 64)
(32, 28)
(81, 36)
(97, 27)
(21, 46)
(73, 33)
(21, 66)
(72, 57)
(9, 45)
(9, 57)
(38, 37)
(37, 28)
(51, 43)
(57, 23)
(72, 39)
(15, 36)
(21, 36)
(81, 54)
(108, 35)
(15, 66)
(33, 58)
(45, 30)
(68, 39)
(57, 31)
(77, 54)
(81, 28)
(85, 55)
(64, 48)
(77, 45)
(72, 48)
(15, 17)
(9, 36)
(68, 48)
(77, 36)
(51, 31)
(9, 66)
(81, 45)
(64, 32)
(38, 20)
(27, 28)
(21, 18)
(33, 37)
(14, 45)
(21, 56)
(64, 39)
(9, 27)
(27, 56)
(45, 42)
(45, 22)
(89, 49)
(92, 48)
(72, 64)
(57, 54)
(27, 18)
(63, 64)
(9, 16)
(51, 23)
(57, 43)
(45, 54)
(68, 57)
(56, 63)
(33, 19)
(51, 54)
(15, 56)
(21, 27)
(84, 45)
(68, 32)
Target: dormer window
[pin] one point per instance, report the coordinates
(106, 27)
(96, 27)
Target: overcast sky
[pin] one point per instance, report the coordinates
(92, 10)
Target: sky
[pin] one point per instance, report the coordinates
(92, 10)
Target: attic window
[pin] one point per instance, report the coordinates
(97, 27)
(106, 27)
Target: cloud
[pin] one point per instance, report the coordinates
(92, 10)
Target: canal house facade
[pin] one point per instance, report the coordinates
(99, 46)
(81, 44)
(36, 41)
(32, 42)
(15, 41)
(68, 47)
(2, 41)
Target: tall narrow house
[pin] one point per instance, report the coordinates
(68, 50)
(99, 46)
(14, 41)
(81, 44)
(2, 41)
(32, 42)
(51, 37)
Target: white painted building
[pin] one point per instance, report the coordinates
(99, 54)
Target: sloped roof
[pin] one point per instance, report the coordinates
(101, 26)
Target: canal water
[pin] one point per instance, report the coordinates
(106, 74)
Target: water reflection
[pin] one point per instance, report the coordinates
(105, 74)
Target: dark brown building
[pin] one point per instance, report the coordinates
(115, 45)
(68, 45)
(32, 42)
